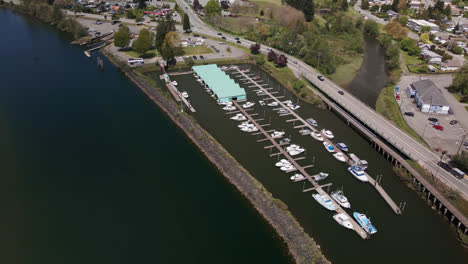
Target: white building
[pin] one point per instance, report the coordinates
(451, 65)
(428, 97)
(432, 57)
(417, 24)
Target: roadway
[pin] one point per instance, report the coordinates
(391, 133)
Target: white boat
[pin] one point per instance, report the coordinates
(283, 111)
(305, 132)
(328, 133)
(245, 124)
(288, 168)
(297, 177)
(287, 102)
(285, 141)
(317, 135)
(261, 102)
(277, 134)
(295, 152)
(227, 103)
(273, 104)
(343, 220)
(247, 105)
(174, 83)
(239, 117)
(324, 201)
(283, 162)
(358, 173)
(229, 108)
(339, 156)
(341, 199)
(292, 147)
(329, 147)
(249, 129)
(320, 176)
(294, 107)
(311, 121)
(185, 94)
(260, 92)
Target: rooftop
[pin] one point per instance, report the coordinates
(423, 22)
(221, 84)
(429, 93)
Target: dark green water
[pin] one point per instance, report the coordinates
(92, 172)
(418, 236)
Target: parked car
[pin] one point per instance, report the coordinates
(220, 34)
(453, 122)
(115, 22)
(433, 119)
(139, 24)
(295, 62)
(236, 38)
(201, 57)
(98, 22)
(269, 49)
(320, 77)
(438, 127)
(223, 38)
(445, 166)
(397, 97)
(341, 92)
(196, 35)
(409, 114)
(194, 57)
(238, 42)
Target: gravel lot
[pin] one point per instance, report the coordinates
(450, 138)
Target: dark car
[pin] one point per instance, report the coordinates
(194, 57)
(196, 35)
(409, 114)
(341, 92)
(115, 22)
(201, 57)
(465, 144)
(433, 119)
(320, 77)
(445, 166)
(238, 42)
(453, 122)
(98, 22)
(236, 38)
(219, 34)
(223, 38)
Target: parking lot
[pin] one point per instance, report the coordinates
(452, 135)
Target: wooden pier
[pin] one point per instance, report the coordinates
(338, 209)
(178, 96)
(179, 73)
(377, 186)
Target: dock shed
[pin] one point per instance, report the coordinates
(219, 82)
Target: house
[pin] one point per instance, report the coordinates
(428, 97)
(415, 5)
(417, 24)
(432, 68)
(424, 47)
(464, 27)
(392, 14)
(451, 65)
(432, 57)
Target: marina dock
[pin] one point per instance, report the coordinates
(296, 117)
(316, 186)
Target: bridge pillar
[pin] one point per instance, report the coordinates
(451, 219)
(428, 195)
(445, 211)
(466, 230)
(424, 189)
(459, 224)
(434, 201)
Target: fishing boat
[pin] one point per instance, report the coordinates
(341, 199)
(273, 104)
(283, 162)
(343, 220)
(239, 117)
(339, 156)
(320, 176)
(365, 223)
(277, 134)
(247, 105)
(342, 147)
(358, 173)
(185, 94)
(305, 132)
(261, 102)
(329, 147)
(229, 108)
(312, 122)
(328, 133)
(297, 177)
(324, 201)
(175, 83)
(317, 135)
(285, 141)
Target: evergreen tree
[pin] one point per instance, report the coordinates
(196, 5)
(395, 5)
(212, 8)
(344, 5)
(306, 6)
(143, 43)
(448, 11)
(122, 37)
(262, 13)
(186, 23)
(141, 4)
(365, 4)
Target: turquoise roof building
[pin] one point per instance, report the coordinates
(220, 83)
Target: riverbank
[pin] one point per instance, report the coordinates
(300, 245)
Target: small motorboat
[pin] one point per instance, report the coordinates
(341, 199)
(277, 134)
(261, 102)
(324, 201)
(260, 92)
(320, 176)
(297, 177)
(282, 111)
(282, 163)
(239, 117)
(287, 102)
(312, 122)
(285, 141)
(273, 104)
(174, 83)
(229, 108)
(249, 129)
(295, 152)
(365, 223)
(305, 132)
(342, 147)
(224, 68)
(288, 168)
(292, 147)
(185, 94)
(329, 147)
(317, 135)
(256, 77)
(358, 173)
(328, 133)
(245, 70)
(294, 107)
(247, 105)
(343, 220)
(245, 124)
(339, 156)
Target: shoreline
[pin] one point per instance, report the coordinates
(301, 247)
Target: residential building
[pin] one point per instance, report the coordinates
(417, 24)
(392, 14)
(428, 97)
(432, 57)
(415, 5)
(451, 65)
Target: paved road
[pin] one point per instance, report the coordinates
(365, 114)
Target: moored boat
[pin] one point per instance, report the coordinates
(273, 104)
(277, 134)
(341, 199)
(328, 147)
(324, 201)
(320, 176)
(288, 168)
(339, 156)
(285, 141)
(239, 117)
(328, 133)
(247, 105)
(174, 83)
(343, 220)
(365, 223)
(185, 94)
(283, 162)
(229, 108)
(311, 121)
(261, 102)
(317, 135)
(358, 173)
(342, 147)
(297, 177)
(305, 132)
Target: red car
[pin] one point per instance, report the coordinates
(438, 127)
(397, 97)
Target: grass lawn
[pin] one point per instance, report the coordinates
(407, 59)
(345, 73)
(135, 54)
(266, 3)
(197, 50)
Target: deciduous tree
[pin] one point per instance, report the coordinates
(122, 37)
(212, 8)
(143, 43)
(255, 48)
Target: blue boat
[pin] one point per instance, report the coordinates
(342, 146)
(365, 223)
